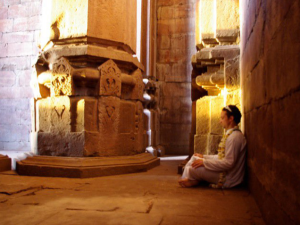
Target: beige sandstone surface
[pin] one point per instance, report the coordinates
(152, 197)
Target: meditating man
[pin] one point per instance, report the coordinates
(227, 168)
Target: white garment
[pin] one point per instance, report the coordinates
(233, 163)
(200, 173)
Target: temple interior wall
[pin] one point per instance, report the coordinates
(20, 24)
(175, 46)
(270, 82)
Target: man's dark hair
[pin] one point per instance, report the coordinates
(232, 110)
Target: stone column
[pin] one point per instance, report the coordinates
(216, 75)
(88, 92)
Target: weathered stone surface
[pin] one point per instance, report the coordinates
(226, 51)
(127, 117)
(175, 137)
(213, 143)
(139, 128)
(138, 89)
(109, 116)
(203, 116)
(164, 42)
(217, 103)
(175, 110)
(227, 20)
(153, 121)
(85, 112)
(65, 114)
(232, 73)
(176, 89)
(61, 79)
(85, 167)
(234, 98)
(206, 23)
(110, 79)
(53, 114)
(200, 143)
(270, 79)
(163, 70)
(175, 47)
(61, 144)
(117, 17)
(258, 83)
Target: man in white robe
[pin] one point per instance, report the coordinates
(221, 171)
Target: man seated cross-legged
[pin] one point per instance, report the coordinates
(227, 168)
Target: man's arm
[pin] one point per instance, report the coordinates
(232, 148)
(206, 156)
(210, 157)
(197, 163)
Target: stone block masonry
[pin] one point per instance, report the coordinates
(175, 46)
(270, 80)
(20, 23)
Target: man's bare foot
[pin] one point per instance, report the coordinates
(188, 183)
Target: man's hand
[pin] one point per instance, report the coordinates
(199, 155)
(197, 163)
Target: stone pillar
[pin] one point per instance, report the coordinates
(88, 91)
(216, 76)
(175, 46)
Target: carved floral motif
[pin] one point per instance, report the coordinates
(110, 79)
(108, 114)
(61, 81)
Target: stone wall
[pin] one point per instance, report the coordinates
(19, 31)
(175, 46)
(270, 71)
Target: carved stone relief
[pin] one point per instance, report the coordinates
(61, 80)
(108, 109)
(110, 79)
(232, 77)
(138, 89)
(60, 114)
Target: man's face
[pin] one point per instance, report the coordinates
(225, 120)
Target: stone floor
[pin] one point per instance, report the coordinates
(153, 197)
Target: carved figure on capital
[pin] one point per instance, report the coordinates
(108, 108)
(138, 90)
(61, 80)
(110, 79)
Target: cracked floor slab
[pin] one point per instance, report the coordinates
(152, 197)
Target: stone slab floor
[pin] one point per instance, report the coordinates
(152, 197)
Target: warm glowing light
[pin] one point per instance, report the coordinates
(138, 28)
(80, 105)
(224, 93)
(169, 158)
(46, 20)
(148, 114)
(148, 38)
(198, 23)
(145, 81)
(215, 19)
(146, 96)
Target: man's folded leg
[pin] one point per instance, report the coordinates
(192, 176)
